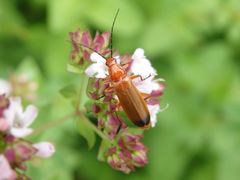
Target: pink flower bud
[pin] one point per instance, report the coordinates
(128, 154)
(117, 163)
(9, 138)
(86, 38)
(3, 125)
(44, 149)
(139, 158)
(96, 109)
(158, 92)
(19, 153)
(79, 38)
(112, 126)
(10, 155)
(101, 123)
(23, 151)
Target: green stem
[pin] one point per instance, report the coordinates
(81, 92)
(53, 123)
(78, 112)
(80, 107)
(90, 124)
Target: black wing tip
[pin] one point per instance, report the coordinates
(143, 123)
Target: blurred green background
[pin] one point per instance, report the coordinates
(194, 45)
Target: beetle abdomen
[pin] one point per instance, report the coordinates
(133, 103)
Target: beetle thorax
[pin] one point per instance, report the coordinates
(116, 72)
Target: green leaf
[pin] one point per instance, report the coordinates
(86, 131)
(69, 91)
(74, 69)
(102, 149)
(126, 120)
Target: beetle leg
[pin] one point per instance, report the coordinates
(101, 97)
(120, 125)
(119, 107)
(109, 90)
(145, 95)
(139, 76)
(106, 80)
(126, 65)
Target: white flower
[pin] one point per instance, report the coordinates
(141, 65)
(97, 69)
(153, 110)
(44, 149)
(18, 119)
(5, 87)
(6, 171)
(146, 86)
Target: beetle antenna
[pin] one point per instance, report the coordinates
(92, 50)
(89, 49)
(111, 35)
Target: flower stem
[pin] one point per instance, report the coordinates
(83, 87)
(97, 131)
(80, 107)
(53, 123)
(78, 112)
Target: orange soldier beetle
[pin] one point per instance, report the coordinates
(130, 99)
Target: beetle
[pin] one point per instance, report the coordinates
(130, 98)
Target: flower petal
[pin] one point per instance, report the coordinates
(98, 41)
(29, 115)
(140, 65)
(6, 171)
(5, 87)
(98, 69)
(86, 38)
(3, 125)
(45, 149)
(95, 57)
(146, 86)
(106, 36)
(20, 132)
(15, 108)
(139, 53)
(153, 109)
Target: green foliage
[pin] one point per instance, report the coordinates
(194, 46)
(104, 146)
(74, 69)
(86, 131)
(69, 91)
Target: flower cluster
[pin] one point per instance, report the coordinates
(80, 40)
(14, 127)
(127, 152)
